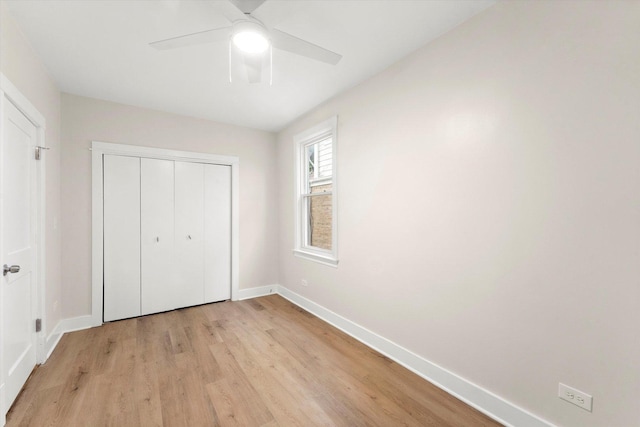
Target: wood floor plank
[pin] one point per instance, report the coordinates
(147, 390)
(335, 397)
(40, 408)
(248, 403)
(261, 362)
(226, 405)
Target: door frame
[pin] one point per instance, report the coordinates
(98, 149)
(10, 93)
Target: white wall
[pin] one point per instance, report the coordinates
(488, 206)
(19, 63)
(85, 120)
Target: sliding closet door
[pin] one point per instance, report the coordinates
(217, 228)
(121, 237)
(189, 236)
(159, 289)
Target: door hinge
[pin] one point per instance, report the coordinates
(39, 151)
(38, 325)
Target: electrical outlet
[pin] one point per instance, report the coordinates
(304, 283)
(574, 396)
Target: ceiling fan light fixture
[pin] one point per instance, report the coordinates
(250, 37)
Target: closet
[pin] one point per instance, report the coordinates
(167, 235)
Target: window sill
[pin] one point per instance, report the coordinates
(319, 258)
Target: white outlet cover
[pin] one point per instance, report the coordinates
(575, 396)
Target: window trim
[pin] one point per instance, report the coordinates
(326, 128)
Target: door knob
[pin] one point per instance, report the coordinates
(13, 269)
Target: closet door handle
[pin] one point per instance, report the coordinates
(189, 236)
(157, 239)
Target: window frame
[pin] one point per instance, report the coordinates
(327, 128)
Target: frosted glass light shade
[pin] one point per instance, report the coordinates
(250, 41)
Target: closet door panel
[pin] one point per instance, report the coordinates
(217, 227)
(121, 237)
(189, 235)
(159, 289)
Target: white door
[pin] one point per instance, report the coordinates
(159, 291)
(18, 249)
(189, 236)
(121, 237)
(217, 226)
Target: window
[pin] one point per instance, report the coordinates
(316, 233)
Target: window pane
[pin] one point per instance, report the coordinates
(311, 161)
(324, 162)
(320, 214)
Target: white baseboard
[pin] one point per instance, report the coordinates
(52, 341)
(64, 326)
(76, 323)
(260, 291)
(483, 400)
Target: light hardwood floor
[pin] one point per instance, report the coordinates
(261, 362)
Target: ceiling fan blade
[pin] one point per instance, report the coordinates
(208, 36)
(247, 6)
(283, 41)
(253, 65)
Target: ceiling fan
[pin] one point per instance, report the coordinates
(251, 37)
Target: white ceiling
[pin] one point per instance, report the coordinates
(99, 49)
